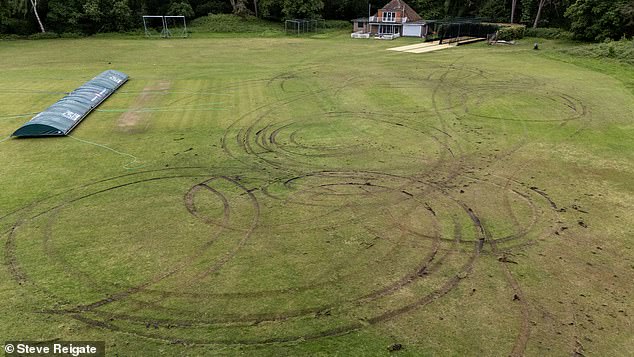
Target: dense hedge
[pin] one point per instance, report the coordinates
(225, 23)
(510, 33)
(338, 24)
(551, 33)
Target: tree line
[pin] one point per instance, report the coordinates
(586, 19)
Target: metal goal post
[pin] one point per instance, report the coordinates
(176, 25)
(299, 26)
(165, 26)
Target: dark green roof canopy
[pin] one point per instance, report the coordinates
(62, 117)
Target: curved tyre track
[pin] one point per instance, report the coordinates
(409, 216)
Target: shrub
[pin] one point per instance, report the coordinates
(71, 35)
(10, 37)
(225, 23)
(551, 33)
(510, 33)
(43, 36)
(622, 50)
(338, 24)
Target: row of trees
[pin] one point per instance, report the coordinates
(587, 19)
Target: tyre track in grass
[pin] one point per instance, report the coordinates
(473, 217)
(259, 136)
(183, 263)
(281, 318)
(10, 252)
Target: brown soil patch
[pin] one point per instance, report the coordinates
(135, 119)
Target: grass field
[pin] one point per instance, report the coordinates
(320, 196)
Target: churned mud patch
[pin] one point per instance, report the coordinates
(135, 119)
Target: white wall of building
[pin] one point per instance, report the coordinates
(412, 30)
